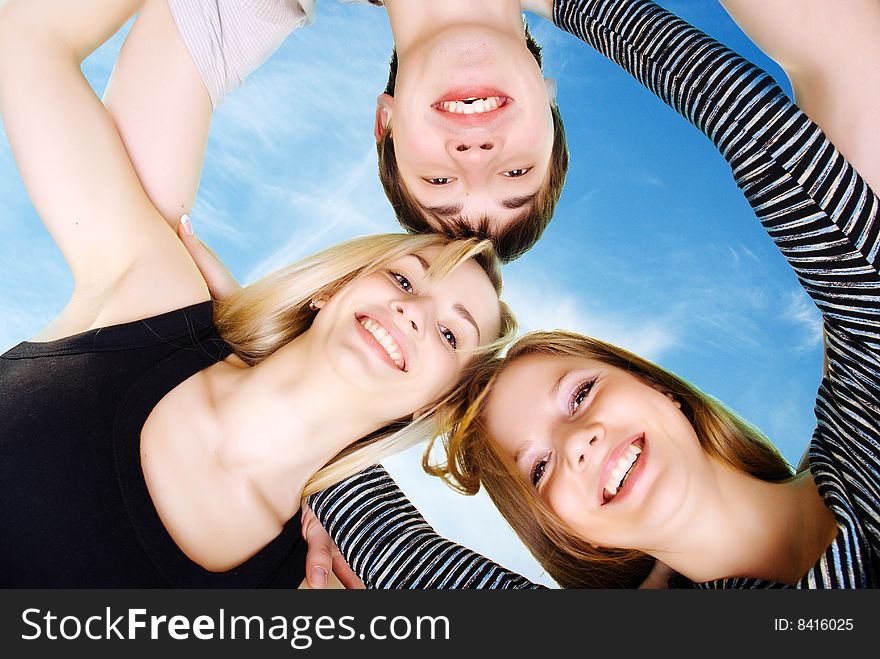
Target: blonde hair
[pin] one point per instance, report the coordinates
(266, 315)
(474, 458)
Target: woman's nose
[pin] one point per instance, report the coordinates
(579, 445)
(413, 314)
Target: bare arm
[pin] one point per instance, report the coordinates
(161, 109)
(125, 262)
(159, 97)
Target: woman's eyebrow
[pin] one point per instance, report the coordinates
(464, 313)
(425, 265)
(554, 390)
(458, 307)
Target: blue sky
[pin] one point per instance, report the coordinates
(652, 247)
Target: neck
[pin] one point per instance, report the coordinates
(752, 528)
(418, 21)
(279, 422)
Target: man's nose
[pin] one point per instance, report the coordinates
(478, 149)
(485, 146)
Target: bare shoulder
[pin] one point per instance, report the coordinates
(214, 515)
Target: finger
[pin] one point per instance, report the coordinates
(319, 558)
(220, 281)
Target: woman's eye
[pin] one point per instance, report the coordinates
(579, 395)
(447, 334)
(403, 282)
(440, 180)
(516, 173)
(538, 471)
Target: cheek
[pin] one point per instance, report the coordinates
(444, 375)
(436, 379)
(415, 147)
(567, 502)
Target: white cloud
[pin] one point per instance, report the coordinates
(346, 204)
(540, 303)
(802, 312)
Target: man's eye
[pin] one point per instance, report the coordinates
(440, 180)
(516, 173)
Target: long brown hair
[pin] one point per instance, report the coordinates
(474, 458)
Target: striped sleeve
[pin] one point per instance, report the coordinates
(822, 216)
(390, 545)
(817, 209)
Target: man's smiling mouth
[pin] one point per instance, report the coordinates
(472, 105)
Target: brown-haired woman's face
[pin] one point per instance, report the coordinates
(610, 454)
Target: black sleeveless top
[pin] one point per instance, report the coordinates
(74, 507)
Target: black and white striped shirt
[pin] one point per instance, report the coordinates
(823, 218)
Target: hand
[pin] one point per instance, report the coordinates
(543, 8)
(220, 281)
(323, 557)
(659, 576)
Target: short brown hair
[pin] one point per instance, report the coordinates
(518, 236)
(475, 458)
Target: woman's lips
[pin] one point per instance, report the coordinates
(383, 340)
(627, 461)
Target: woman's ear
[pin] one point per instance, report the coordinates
(384, 110)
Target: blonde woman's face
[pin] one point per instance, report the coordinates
(611, 455)
(402, 339)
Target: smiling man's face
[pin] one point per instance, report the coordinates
(472, 129)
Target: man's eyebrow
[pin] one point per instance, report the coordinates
(518, 202)
(464, 313)
(445, 211)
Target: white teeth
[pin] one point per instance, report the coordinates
(473, 106)
(384, 339)
(622, 469)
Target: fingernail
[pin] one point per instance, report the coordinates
(319, 576)
(187, 225)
